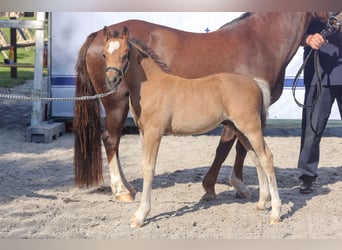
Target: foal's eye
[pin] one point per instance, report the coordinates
(103, 55)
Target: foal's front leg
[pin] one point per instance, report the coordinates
(151, 141)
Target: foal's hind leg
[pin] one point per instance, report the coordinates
(115, 118)
(267, 181)
(222, 151)
(272, 185)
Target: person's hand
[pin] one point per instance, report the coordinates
(315, 41)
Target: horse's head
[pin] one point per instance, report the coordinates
(116, 55)
(333, 21)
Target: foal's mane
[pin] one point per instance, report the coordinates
(149, 52)
(238, 19)
(145, 50)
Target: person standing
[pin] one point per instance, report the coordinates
(315, 118)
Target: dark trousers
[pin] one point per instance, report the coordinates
(314, 121)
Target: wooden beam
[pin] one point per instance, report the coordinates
(21, 45)
(33, 24)
(17, 65)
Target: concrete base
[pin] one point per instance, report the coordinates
(45, 132)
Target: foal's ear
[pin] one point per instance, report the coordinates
(106, 33)
(125, 33)
(141, 55)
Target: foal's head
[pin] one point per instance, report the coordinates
(116, 55)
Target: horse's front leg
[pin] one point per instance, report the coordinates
(222, 151)
(226, 142)
(115, 119)
(151, 141)
(236, 176)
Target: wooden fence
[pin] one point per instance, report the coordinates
(38, 25)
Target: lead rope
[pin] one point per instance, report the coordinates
(50, 99)
(329, 29)
(318, 85)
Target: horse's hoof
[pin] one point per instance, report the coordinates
(135, 223)
(132, 191)
(274, 221)
(243, 195)
(208, 197)
(125, 197)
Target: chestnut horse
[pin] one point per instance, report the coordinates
(162, 103)
(260, 45)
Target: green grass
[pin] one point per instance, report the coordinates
(23, 74)
(24, 55)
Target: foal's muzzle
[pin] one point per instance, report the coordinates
(113, 79)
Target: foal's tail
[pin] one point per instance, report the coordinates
(86, 126)
(266, 98)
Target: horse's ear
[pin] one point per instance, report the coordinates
(106, 33)
(125, 32)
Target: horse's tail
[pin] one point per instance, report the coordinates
(266, 98)
(86, 126)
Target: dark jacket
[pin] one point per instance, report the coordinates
(330, 57)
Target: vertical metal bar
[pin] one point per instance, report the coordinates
(13, 42)
(37, 107)
(49, 62)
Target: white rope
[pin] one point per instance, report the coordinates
(50, 99)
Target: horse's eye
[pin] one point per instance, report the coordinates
(103, 55)
(125, 57)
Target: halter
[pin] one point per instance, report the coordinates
(331, 24)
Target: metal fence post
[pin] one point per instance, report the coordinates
(37, 108)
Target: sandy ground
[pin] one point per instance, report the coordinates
(38, 199)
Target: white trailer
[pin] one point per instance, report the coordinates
(68, 31)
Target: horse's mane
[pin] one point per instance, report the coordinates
(150, 53)
(238, 19)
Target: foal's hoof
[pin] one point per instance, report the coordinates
(135, 223)
(260, 207)
(274, 221)
(125, 197)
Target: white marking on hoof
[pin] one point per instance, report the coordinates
(135, 223)
(125, 197)
(274, 221)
